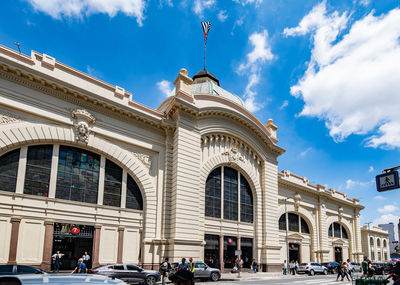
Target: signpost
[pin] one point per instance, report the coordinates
(389, 180)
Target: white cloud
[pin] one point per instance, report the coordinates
(222, 16)
(200, 5)
(79, 8)
(245, 2)
(165, 87)
(365, 2)
(379, 197)
(388, 209)
(352, 82)
(371, 169)
(284, 105)
(255, 59)
(388, 218)
(304, 152)
(352, 183)
(166, 2)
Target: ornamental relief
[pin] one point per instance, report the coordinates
(8, 118)
(144, 158)
(83, 120)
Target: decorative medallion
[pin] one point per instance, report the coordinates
(233, 154)
(83, 120)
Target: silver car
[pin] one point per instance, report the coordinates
(203, 271)
(312, 268)
(356, 267)
(58, 279)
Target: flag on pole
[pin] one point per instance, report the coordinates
(206, 27)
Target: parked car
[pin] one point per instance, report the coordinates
(331, 266)
(201, 271)
(129, 273)
(356, 267)
(379, 268)
(19, 269)
(57, 279)
(312, 268)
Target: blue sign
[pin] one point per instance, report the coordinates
(387, 181)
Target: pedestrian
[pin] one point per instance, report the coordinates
(339, 269)
(165, 267)
(284, 267)
(292, 266)
(349, 269)
(183, 265)
(239, 264)
(86, 259)
(345, 273)
(296, 267)
(56, 259)
(191, 265)
(80, 267)
(371, 270)
(364, 266)
(254, 265)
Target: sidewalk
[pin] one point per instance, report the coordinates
(257, 276)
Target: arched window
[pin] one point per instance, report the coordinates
(9, 170)
(384, 243)
(378, 242)
(295, 223)
(235, 188)
(371, 241)
(38, 169)
(112, 184)
(78, 175)
(134, 198)
(338, 231)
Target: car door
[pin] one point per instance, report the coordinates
(118, 271)
(200, 270)
(135, 274)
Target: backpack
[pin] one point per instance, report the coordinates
(164, 266)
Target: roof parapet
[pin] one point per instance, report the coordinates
(182, 86)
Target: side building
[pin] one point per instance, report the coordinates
(390, 229)
(83, 167)
(375, 243)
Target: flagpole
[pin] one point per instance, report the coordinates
(205, 48)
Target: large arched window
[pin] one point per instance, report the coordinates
(134, 198)
(338, 231)
(371, 241)
(235, 198)
(296, 223)
(378, 242)
(9, 170)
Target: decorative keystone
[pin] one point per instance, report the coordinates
(182, 86)
(271, 128)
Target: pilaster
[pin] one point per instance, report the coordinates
(48, 244)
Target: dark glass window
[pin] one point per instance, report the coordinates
(38, 169)
(9, 170)
(371, 241)
(336, 230)
(112, 184)
(134, 198)
(330, 231)
(213, 194)
(344, 233)
(246, 201)
(378, 242)
(230, 194)
(78, 175)
(304, 226)
(133, 267)
(282, 222)
(293, 222)
(384, 244)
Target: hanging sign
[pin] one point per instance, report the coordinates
(230, 240)
(75, 230)
(387, 181)
(238, 252)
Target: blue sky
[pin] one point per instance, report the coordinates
(327, 72)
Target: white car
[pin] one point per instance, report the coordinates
(356, 267)
(312, 268)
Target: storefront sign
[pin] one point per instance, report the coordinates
(238, 252)
(75, 230)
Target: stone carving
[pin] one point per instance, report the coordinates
(6, 118)
(144, 158)
(83, 120)
(233, 154)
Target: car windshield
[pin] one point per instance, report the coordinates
(304, 264)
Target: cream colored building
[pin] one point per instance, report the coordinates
(83, 167)
(375, 243)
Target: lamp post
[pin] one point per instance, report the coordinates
(287, 234)
(369, 242)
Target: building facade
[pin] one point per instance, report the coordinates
(375, 243)
(390, 229)
(83, 167)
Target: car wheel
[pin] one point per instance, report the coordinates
(312, 273)
(214, 276)
(150, 280)
(325, 272)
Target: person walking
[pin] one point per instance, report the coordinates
(371, 270)
(345, 272)
(86, 259)
(56, 258)
(183, 265)
(349, 269)
(165, 267)
(191, 265)
(284, 267)
(296, 267)
(339, 269)
(292, 267)
(254, 265)
(364, 266)
(80, 267)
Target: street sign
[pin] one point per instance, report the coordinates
(238, 252)
(387, 181)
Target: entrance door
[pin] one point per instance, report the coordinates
(294, 252)
(338, 254)
(211, 250)
(72, 241)
(246, 245)
(230, 245)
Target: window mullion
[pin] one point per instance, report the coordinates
(100, 193)
(123, 190)
(23, 155)
(222, 193)
(53, 172)
(239, 193)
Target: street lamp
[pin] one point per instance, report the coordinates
(287, 234)
(368, 241)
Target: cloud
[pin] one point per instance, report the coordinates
(166, 2)
(284, 105)
(245, 2)
(365, 2)
(352, 79)
(222, 16)
(304, 152)
(352, 183)
(200, 5)
(379, 197)
(371, 169)
(80, 8)
(165, 87)
(238, 23)
(255, 60)
(388, 209)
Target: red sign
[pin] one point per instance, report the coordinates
(75, 230)
(229, 240)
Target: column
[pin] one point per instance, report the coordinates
(48, 245)
(19, 188)
(12, 256)
(121, 231)
(221, 252)
(54, 169)
(96, 245)
(238, 244)
(123, 190)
